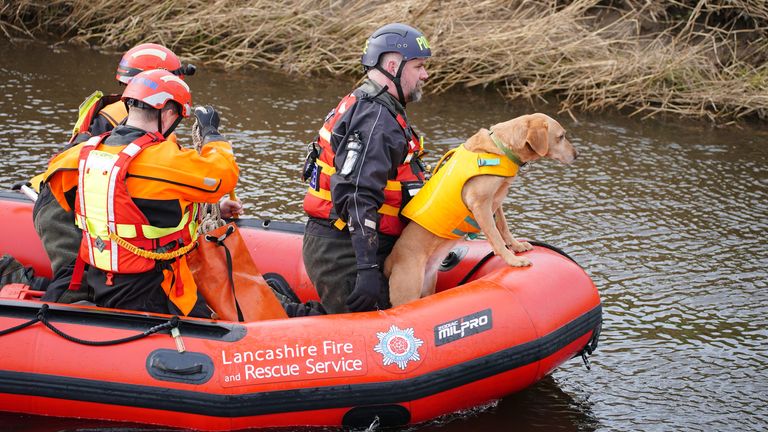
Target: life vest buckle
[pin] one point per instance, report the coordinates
(99, 243)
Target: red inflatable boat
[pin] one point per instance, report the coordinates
(490, 331)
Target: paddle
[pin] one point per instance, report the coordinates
(26, 189)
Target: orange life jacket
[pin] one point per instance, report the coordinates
(117, 236)
(318, 202)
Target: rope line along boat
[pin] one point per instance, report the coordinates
(490, 331)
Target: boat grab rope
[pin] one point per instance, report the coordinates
(19, 327)
(42, 316)
(490, 255)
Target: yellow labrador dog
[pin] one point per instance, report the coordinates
(465, 195)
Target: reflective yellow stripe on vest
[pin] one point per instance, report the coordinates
(84, 108)
(327, 169)
(96, 179)
(129, 230)
(326, 194)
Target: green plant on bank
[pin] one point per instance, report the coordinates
(698, 58)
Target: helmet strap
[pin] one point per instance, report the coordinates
(160, 121)
(175, 122)
(395, 80)
(173, 126)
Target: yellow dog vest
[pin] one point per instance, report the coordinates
(438, 206)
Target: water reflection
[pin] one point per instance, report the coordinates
(668, 216)
(542, 407)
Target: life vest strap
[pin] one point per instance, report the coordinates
(77, 275)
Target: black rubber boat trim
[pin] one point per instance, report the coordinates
(315, 398)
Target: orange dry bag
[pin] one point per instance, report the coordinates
(228, 279)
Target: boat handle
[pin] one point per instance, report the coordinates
(190, 370)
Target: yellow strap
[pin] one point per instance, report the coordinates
(149, 254)
(329, 170)
(389, 210)
(393, 186)
(385, 209)
(323, 194)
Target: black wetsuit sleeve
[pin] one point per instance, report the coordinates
(358, 193)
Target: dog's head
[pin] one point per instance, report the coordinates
(535, 136)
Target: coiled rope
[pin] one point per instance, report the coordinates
(211, 212)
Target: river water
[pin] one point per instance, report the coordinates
(669, 217)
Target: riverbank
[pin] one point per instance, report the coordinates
(704, 59)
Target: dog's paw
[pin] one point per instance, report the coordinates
(516, 261)
(519, 263)
(517, 246)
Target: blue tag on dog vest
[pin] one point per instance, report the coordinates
(488, 162)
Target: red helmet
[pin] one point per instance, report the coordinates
(144, 57)
(154, 88)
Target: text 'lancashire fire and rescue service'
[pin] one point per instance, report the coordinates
(324, 359)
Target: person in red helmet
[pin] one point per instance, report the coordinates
(135, 195)
(100, 113)
(364, 168)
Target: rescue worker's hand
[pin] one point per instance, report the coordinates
(230, 208)
(368, 287)
(208, 119)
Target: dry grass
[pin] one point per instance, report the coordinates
(699, 58)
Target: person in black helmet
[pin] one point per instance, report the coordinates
(362, 169)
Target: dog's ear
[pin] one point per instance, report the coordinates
(536, 136)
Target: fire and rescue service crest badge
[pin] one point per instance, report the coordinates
(398, 346)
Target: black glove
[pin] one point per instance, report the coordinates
(208, 119)
(368, 287)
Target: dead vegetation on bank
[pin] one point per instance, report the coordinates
(698, 58)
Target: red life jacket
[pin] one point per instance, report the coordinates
(117, 236)
(318, 202)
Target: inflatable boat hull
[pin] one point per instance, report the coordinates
(501, 331)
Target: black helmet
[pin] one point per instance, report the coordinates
(400, 38)
(396, 37)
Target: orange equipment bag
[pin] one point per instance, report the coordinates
(228, 279)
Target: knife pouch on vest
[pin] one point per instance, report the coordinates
(228, 279)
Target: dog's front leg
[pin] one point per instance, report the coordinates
(506, 234)
(484, 218)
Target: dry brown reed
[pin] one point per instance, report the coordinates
(699, 58)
